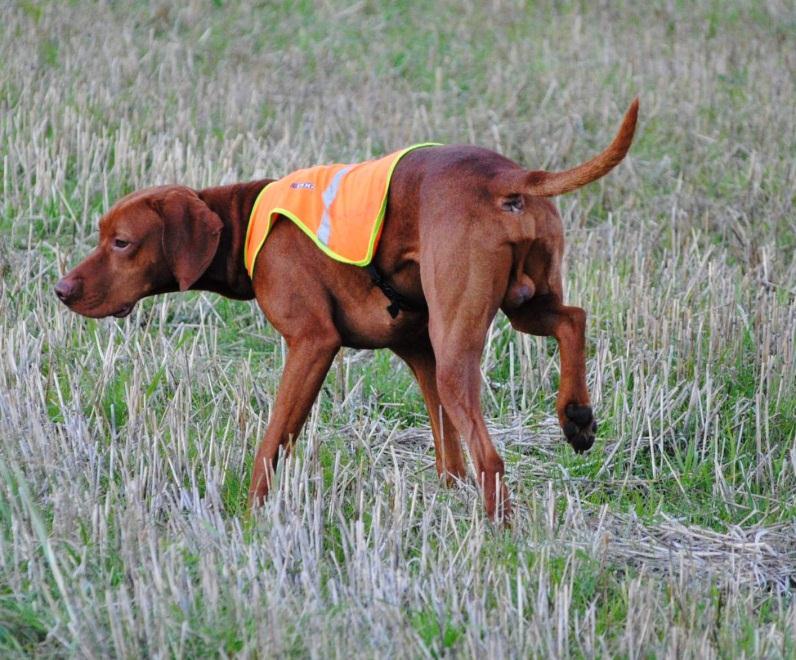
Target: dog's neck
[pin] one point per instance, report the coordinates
(227, 273)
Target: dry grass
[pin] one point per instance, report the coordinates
(125, 446)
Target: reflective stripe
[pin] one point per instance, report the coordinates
(325, 229)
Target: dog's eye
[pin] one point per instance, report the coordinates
(120, 243)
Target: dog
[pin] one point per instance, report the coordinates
(466, 232)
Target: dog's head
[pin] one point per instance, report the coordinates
(152, 241)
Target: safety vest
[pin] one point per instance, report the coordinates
(340, 207)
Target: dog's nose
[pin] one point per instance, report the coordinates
(67, 290)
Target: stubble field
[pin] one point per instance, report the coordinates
(126, 446)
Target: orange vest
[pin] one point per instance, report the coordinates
(340, 207)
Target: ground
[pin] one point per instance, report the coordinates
(125, 446)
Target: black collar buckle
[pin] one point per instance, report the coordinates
(397, 301)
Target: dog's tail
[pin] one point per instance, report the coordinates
(548, 184)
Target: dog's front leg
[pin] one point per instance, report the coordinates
(308, 360)
(447, 445)
(548, 318)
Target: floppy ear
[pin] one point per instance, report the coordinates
(191, 231)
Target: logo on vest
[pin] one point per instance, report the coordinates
(303, 185)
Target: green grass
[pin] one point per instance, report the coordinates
(126, 447)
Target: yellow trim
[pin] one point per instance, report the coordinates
(250, 268)
(328, 252)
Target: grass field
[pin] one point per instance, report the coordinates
(126, 446)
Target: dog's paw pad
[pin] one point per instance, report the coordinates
(581, 415)
(579, 427)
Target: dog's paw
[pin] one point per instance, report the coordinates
(579, 427)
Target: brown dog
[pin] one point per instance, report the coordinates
(467, 232)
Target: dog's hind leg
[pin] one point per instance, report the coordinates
(464, 282)
(547, 317)
(447, 445)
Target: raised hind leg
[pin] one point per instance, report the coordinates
(547, 317)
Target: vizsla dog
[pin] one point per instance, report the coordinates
(466, 232)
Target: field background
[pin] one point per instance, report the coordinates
(126, 446)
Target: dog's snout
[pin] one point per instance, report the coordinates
(68, 290)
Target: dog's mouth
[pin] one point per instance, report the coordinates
(123, 311)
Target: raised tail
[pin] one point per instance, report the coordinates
(548, 184)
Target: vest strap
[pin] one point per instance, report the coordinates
(397, 301)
